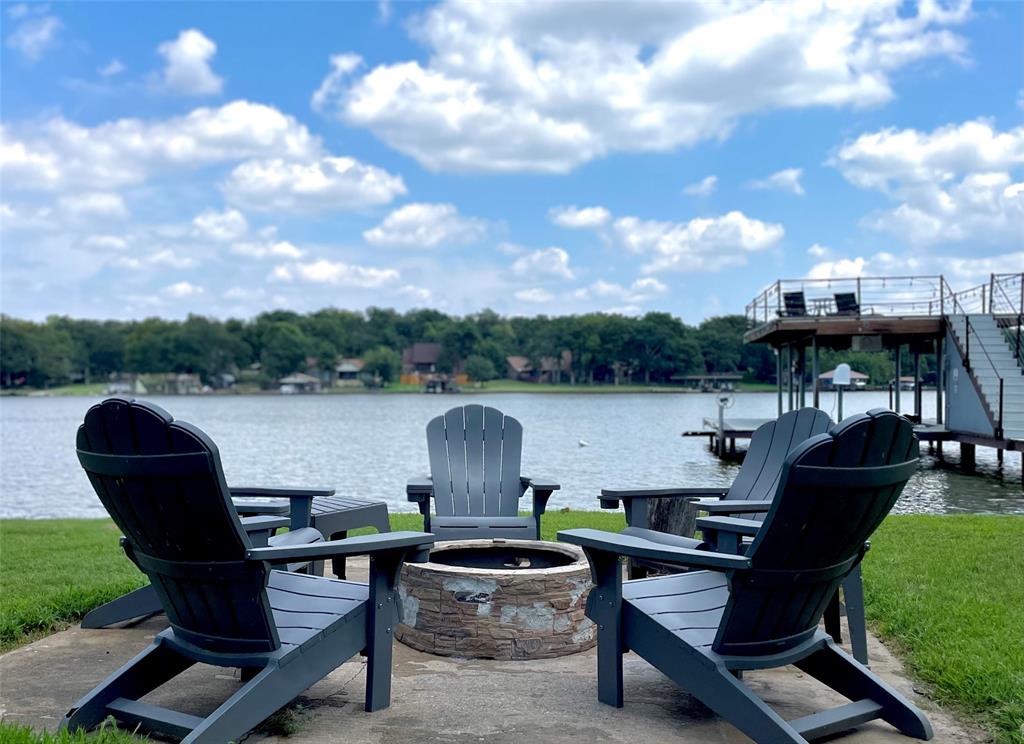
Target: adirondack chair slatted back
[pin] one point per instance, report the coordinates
(770, 445)
(475, 456)
(162, 483)
(794, 304)
(836, 488)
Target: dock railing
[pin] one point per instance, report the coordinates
(1006, 298)
(896, 296)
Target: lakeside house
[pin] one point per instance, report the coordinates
(710, 381)
(552, 369)
(347, 371)
(299, 382)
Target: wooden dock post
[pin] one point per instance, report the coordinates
(816, 395)
(899, 371)
(778, 376)
(966, 457)
(802, 371)
(940, 381)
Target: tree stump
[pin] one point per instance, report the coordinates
(675, 516)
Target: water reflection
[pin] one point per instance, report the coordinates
(368, 445)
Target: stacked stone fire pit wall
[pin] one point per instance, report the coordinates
(527, 613)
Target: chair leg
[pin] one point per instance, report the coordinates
(853, 594)
(337, 564)
(271, 688)
(604, 608)
(834, 668)
(136, 604)
(148, 670)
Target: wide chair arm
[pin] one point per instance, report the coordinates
(632, 546)
(417, 542)
(732, 506)
(635, 500)
(260, 528)
(542, 489)
(296, 502)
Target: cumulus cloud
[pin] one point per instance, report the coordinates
(338, 273)
(787, 179)
(544, 263)
(956, 183)
(576, 217)
(220, 226)
(268, 249)
(112, 68)
(183, 289)
(547, 86)
(534, 295)
(639, 291)
(702, 244)
(703, 187)
(422, 225)
(960, 271)
(187, 64)
(94, 204)
(330, 183)
(35, 30)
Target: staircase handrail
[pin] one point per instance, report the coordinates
(1016, 307)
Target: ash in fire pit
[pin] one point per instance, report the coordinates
(497, 599)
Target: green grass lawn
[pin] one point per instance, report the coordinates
(946, 592)
(107, 734)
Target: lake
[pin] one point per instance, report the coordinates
(369, 445)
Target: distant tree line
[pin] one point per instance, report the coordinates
(652, 348)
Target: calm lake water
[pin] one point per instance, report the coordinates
(369, 445)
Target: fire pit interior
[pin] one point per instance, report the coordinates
(497, 599)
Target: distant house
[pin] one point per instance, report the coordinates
(125, 385)
(176, 383)
(346, 372)
(421, 357)
(551, 369)
(299, 382)
(857, 379)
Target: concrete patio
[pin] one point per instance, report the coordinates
(436, 699)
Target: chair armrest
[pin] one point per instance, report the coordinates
(420, 490)
(263, 523)
(610, 497)
(539, 484)
(278, 493)
(637, 547)
(732, 506)
(745, 527)
(420, 542)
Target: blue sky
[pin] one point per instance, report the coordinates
(229, 158)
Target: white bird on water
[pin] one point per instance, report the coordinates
(584, 443)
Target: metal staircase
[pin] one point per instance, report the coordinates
(995, 368)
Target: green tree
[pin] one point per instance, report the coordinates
(383, 363)
(480, 368)
(285, 347)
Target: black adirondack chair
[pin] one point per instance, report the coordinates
(161, 481)
(738, 511)
(846, 303)
(475, 479)
(794, 305)
(761, 610)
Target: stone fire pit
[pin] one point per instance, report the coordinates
(497, 599)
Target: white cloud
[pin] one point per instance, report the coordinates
(959, 182)
(574, 217)
(280, 273)
(276, 248)
(419, 294)
(543, 263)
(703, 187)
(59, 154)
(220, 226)
(338, 273)
(535, 295)
(112, 68)
(960, 271)
(702, 244)
(817, 250)
(787, 179)
(330, 183)
(183, 289)
(548, 86)
(106, 242)
(421, 225)
(187, 64)
(94, 204)
(638, 292)
(35, 31)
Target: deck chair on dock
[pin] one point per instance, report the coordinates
(761, 610)
(794, 305)
(475, 480)
(162, 483)
(846, 303)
